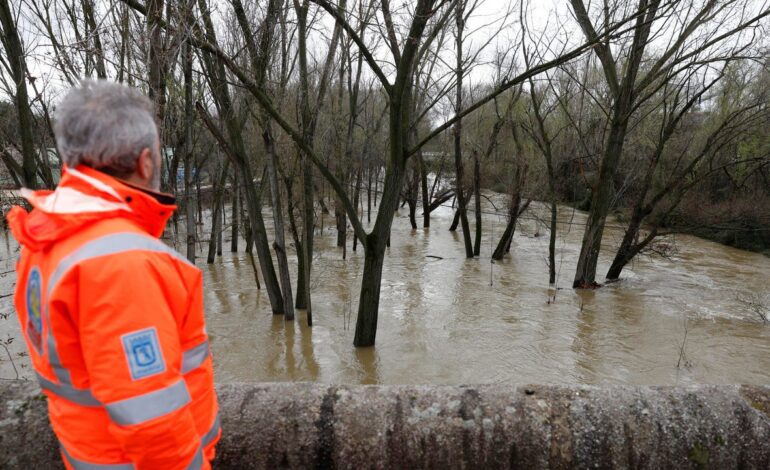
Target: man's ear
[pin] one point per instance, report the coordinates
(145, 165)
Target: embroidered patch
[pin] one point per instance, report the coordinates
(143, 353)
(35, 309)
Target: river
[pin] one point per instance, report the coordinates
(448, 320)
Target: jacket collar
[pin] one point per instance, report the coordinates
(85, 191)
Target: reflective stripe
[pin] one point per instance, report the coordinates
(68, 392)
(104, 246)
(151, 405)
(197, 461)
(101, 186)
(194, 357)
(110, 245)
(59, 370)
(209, 437)
(83, 465)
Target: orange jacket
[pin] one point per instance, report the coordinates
(113, 320)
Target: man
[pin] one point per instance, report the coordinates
(112, 317)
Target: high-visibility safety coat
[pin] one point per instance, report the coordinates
(113, 319)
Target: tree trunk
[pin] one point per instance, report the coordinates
(625, 252)
(412, 213)
(295, 233)
(369, 300)
(377, 240)
(424, 189)
(503, 246)
(552, 242)
(477, 195)
(156, 62)
(280, 243)
(16, 60)
(250, 254)
(515, 208)
(411, 194)
(300, 299)
(455, 221)
(458, 130)
(191, 228)
(223, 223)
(369, 195)
(94, 49)
(235, 219)
(341, 224)
(216, 217)
(356, 199)
(376, 186)
(308, 221)
(585, 274)
(254, 205)
(199, 198)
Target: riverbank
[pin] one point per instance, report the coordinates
(742, 224)
(739, 224)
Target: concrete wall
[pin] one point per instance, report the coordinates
(320, 426)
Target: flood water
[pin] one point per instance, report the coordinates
(445, 319)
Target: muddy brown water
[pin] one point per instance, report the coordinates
(448, 320)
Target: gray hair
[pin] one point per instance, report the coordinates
(106, 126)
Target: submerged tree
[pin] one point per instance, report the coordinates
(699, 31)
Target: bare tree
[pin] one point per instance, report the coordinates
(16, 65)
(699, 27)
(672, 172)
(235, 149)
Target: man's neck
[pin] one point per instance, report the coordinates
(162, 198)
(137, 182)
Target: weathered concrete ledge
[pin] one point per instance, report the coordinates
(320, 426)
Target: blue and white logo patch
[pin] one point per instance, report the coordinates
(143, 353)
(35, 309)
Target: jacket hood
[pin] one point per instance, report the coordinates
(85, 196)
